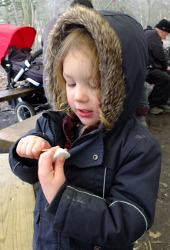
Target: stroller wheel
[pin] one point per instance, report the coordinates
(24, 110)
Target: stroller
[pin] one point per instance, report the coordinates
(20, 65)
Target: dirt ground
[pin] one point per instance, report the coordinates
(158, 237)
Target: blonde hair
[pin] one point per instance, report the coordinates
(81, 40)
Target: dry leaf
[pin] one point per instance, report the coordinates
(155, 235)
(163, 184)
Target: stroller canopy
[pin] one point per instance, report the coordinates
(20, 36)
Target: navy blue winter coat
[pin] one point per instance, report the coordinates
(108, 201)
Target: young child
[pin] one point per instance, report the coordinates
(103, 196)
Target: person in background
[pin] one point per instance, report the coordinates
(48, 28)
(103, 196)
(50, 24)
(158, 69)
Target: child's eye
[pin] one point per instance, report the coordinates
(70, 84)
(92, 86)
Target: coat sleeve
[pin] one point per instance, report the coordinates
(157, 52)
(124, 216)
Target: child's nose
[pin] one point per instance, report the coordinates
(81, 94)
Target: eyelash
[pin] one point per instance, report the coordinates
(70, 84)
(73, 84)
(92, 87)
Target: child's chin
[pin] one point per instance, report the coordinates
(87, 121)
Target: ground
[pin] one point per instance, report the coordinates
(157, 238)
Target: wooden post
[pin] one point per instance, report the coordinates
(17, 201)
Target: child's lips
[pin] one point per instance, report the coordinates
(84, 112)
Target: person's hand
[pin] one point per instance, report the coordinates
(168, 68)
(51, 174)
(31, 146)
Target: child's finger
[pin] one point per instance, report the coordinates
(59, 163)
(45, 160)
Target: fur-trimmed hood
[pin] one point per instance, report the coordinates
(122, 49)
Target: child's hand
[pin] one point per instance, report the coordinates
(31, 146)
(51, 174)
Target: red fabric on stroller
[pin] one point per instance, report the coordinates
(15, 58)
(20, 36)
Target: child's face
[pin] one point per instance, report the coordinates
(80, 88)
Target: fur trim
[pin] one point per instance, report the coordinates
(110, 57)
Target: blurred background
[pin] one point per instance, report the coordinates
(38, 12)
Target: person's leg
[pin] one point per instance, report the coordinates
(161, 90)
(142, 109)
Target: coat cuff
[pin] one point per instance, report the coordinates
(52, 207)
